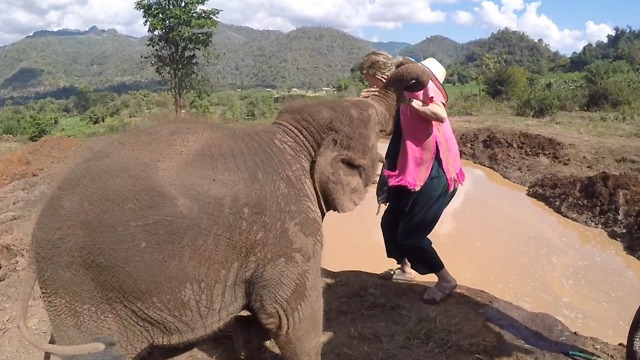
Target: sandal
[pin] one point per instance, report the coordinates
(397, 275)
(437, 293)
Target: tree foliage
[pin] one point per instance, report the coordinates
(610, 85)
(179, 31)
(622, 45)
(511, 48)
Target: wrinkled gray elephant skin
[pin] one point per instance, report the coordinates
(165, 234)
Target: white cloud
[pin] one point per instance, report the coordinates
(20, 18)
(523, 16)
(287, 15)
(463, 17)
(597, 32)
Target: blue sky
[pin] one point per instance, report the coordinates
(566, 14)
(566, 25)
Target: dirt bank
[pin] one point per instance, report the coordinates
(35, 158)
(594, 181)
(368, 318)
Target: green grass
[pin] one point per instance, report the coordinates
(456, 91)
(76, 127)
(72, 127)
(601, 124)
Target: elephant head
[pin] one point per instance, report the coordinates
(417, 75)
(342, 136)
(633, 338)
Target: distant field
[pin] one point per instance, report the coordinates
(73, 127)
(77, 127)
(455, 91)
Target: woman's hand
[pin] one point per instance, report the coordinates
(369, 92)
(406, 100)
(373, 89)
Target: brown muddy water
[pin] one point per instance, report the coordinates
(495, 238)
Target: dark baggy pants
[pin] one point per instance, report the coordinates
(411, 216)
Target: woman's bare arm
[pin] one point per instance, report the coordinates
(434, 111)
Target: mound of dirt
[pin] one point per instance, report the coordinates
(36, 157)
(604, 200)
(516, 155)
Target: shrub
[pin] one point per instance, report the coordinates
(610, 85)
(39, 125)
(507, 83)
(538, 103)
(95, 116)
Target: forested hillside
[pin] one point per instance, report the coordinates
(306, 58)
(310, 57)
(442, 48)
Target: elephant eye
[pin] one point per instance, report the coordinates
(350, 164)
(353, 166)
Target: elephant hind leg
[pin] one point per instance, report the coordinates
(291, 309)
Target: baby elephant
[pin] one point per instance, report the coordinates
(161, 236)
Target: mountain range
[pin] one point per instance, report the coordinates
(308, 57)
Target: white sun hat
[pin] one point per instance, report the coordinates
(439, 73)
(436, 68)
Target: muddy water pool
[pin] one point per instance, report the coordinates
(495, 238)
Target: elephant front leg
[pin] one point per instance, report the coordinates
(290, 307)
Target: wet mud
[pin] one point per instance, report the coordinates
(604, 200)
(591, 181)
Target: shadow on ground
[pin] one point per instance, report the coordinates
(370, 318)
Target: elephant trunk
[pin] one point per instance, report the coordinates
(633, 338)
(408, 76)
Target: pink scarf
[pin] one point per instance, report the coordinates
(418, 149)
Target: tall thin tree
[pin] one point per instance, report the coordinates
(180, 31)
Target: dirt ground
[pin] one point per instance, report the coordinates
(593, 180)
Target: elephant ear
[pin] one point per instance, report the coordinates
(341, 176)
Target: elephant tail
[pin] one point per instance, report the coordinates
(22, 305)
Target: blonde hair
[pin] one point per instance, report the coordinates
(378, 62)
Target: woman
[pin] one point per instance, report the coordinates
(422, 170)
